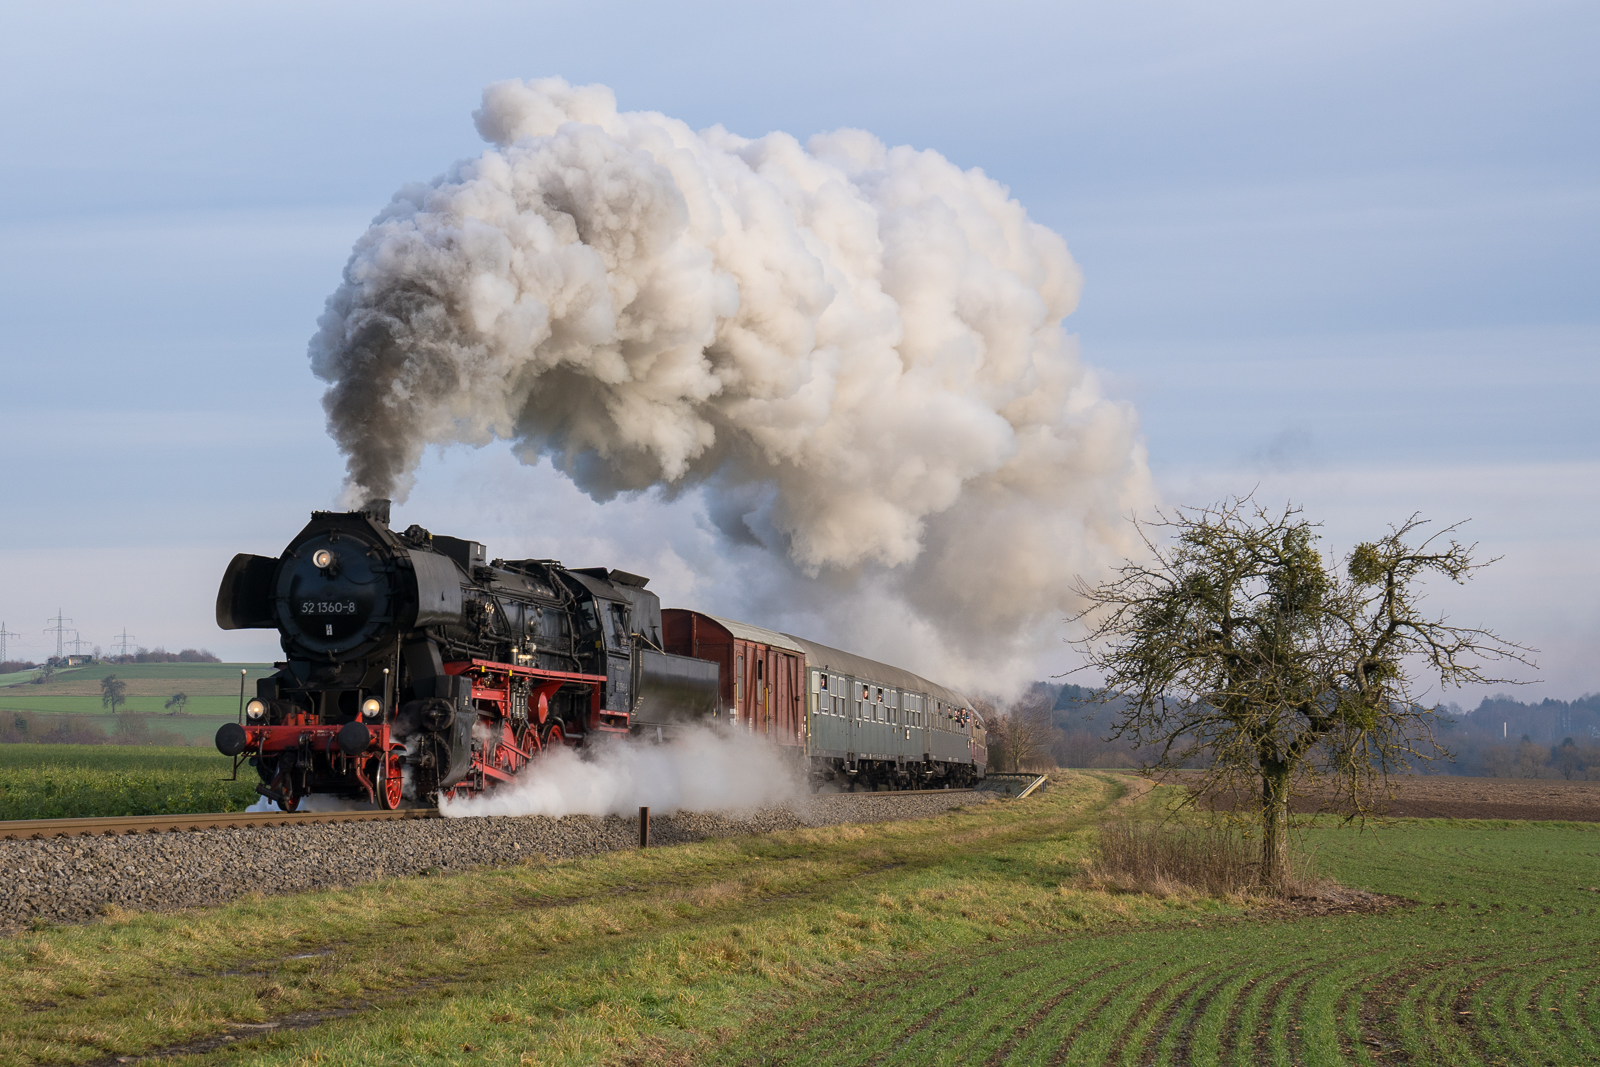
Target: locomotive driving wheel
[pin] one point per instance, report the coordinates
(391, 781)
(527, 739)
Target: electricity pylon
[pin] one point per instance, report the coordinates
(5, 633)
(60, 630)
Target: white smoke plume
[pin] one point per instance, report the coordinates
(701, 769)
(853, 353)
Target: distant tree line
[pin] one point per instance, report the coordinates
(161, 655)
(143, 655)
(1501, 737)
(1506, 738)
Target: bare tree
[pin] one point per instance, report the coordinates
(113, 692)
(1567, 760)
(1022, 732)
(178, 702)
(1238, 648)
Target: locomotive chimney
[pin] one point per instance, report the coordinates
(376, 509)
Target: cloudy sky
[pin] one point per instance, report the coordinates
(1342, 254)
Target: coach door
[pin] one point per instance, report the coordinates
(788, 696)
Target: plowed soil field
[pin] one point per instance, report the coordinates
(1448, 797)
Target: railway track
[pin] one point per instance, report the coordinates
(118, 825)
(42, 829)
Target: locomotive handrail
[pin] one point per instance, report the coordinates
(464, 665)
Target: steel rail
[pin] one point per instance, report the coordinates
(118, 825)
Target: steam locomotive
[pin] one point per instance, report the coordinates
(415, 668)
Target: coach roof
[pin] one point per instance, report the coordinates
(825, 657)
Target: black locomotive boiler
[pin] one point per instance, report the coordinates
(415, 668)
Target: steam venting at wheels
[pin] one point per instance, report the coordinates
(852, 354)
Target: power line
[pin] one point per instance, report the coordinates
(60, 630)
(77, 643)
(124, 642)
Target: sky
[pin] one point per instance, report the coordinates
(1344, 255)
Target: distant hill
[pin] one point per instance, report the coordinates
(1502, 717)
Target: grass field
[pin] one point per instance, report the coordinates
(961, 939)
(82, 781)
(212, 688)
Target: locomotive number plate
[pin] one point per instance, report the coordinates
(327, 607)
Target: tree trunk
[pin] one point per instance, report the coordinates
(1275, 830)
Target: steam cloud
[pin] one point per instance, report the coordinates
(853, 352)
(700, 770)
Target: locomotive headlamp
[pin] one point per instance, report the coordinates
(372, 707)
(322, 559)
(255, 711)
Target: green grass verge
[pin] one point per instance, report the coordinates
(639, 952)
(83, 781)
(959, 939)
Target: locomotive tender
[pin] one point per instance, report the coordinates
(414, 668)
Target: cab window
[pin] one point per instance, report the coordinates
(616, 625)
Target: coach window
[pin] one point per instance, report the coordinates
(738, 681)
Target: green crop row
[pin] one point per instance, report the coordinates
(85, 781)
(1493, 963)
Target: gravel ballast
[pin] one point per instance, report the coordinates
(73, 879)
